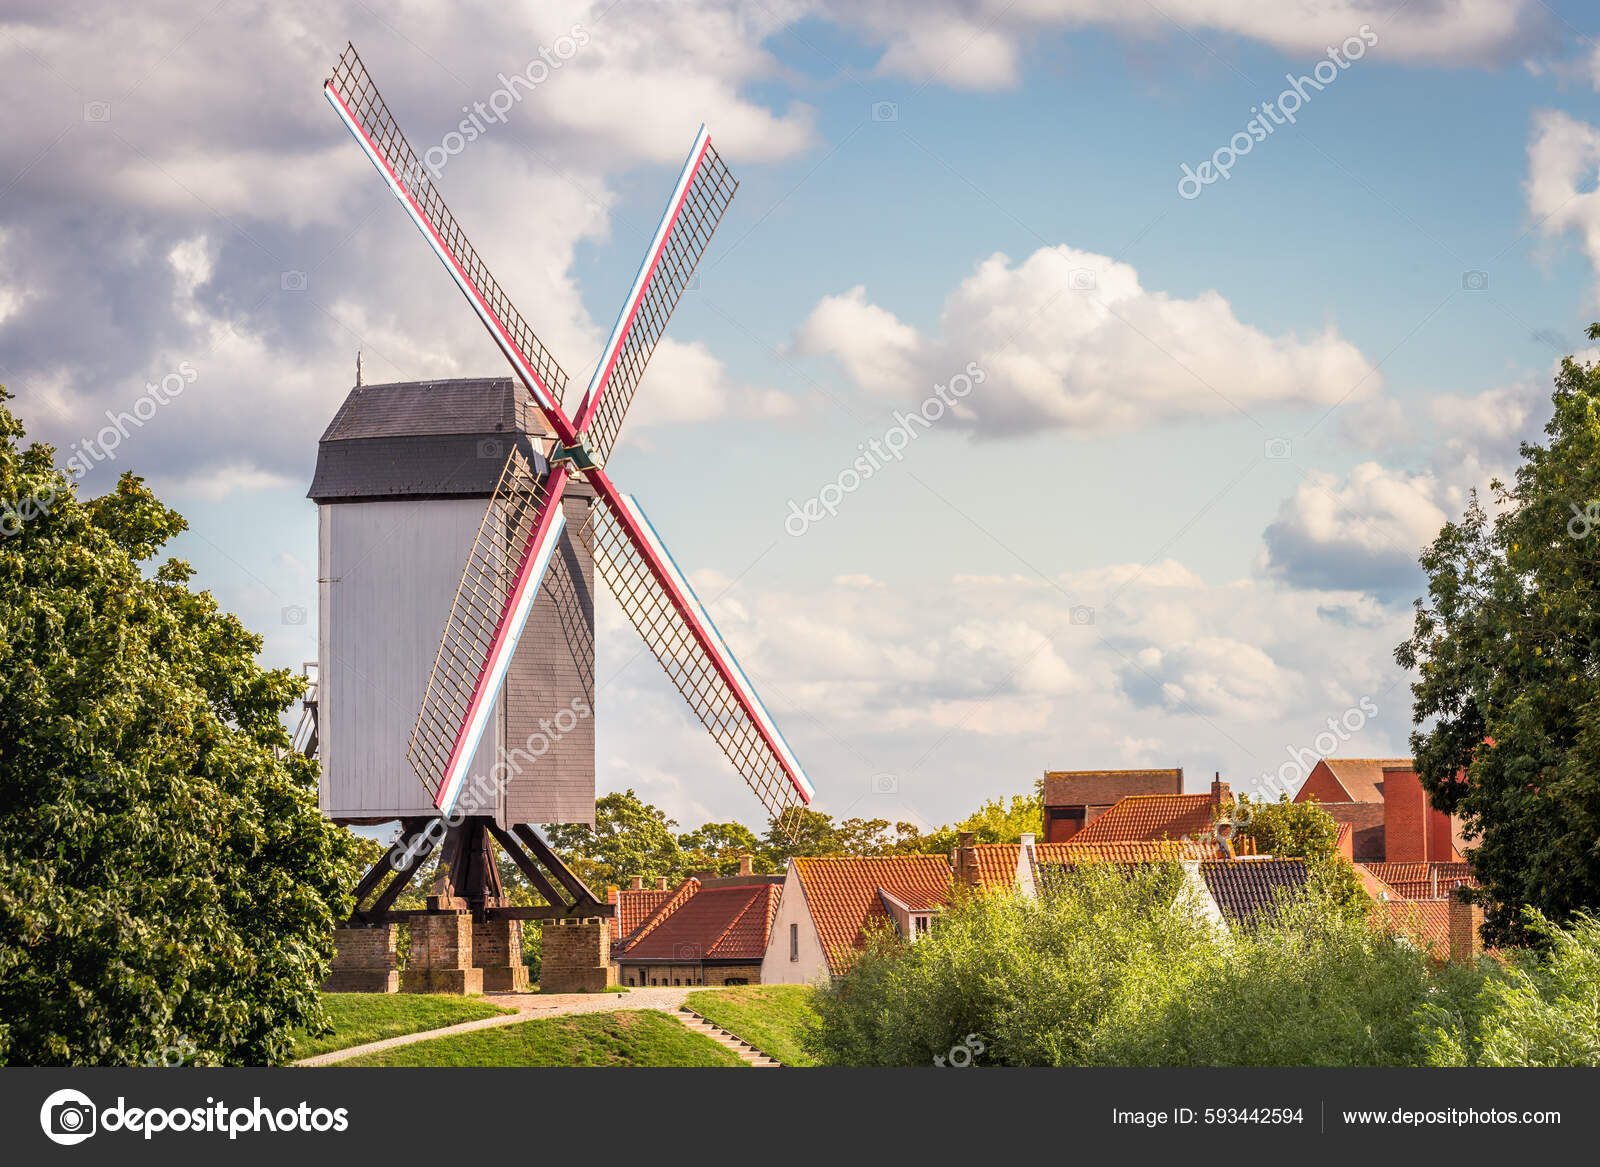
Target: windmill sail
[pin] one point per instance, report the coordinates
(505, 568)
(641, 573)
(704, 190)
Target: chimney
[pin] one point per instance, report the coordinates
(967, 860)
(661, 883)
(1466, 921)
(636, 883)
(1220, 792)
(746, 865)
(1027, 839)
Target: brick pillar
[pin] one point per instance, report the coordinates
(497, 951)
(441, 956)
(363, 961)
(575, 956)
(966, 860)
(1466, 922)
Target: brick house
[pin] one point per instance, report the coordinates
(1075, 798)
(1388, 812)
(637, 903)
(706, 931)
(829, 903)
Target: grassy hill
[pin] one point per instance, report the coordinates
(769, 1017)
(639, 1037)
(362, 1017)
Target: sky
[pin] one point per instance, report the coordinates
(1219, 311)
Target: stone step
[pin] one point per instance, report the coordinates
(747, 1052)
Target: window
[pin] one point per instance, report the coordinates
(678, 981)
(737, 981)
(794, 941)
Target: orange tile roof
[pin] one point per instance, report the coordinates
(842, 895)
(1422, 881)
(997, 864)
(1372, 885)
(633, 909)
(1146, 817)
(714, 923)
(1362, 778)
(671, 901)
(1425, 921)
(1123, 851)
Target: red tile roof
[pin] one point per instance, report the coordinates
(1425, 921)
(670, 902)
(633, 909)
(1146, 817)
(1362, 778)
(714, 923)
(1422, 881)
(842, 895)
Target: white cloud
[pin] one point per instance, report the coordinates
(975, 44)
(1563, 164)
(1068, 339)
(965, 687)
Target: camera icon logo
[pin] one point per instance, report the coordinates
(1277, 449)
(68, 1117)
(491, 448)
(1081, 279)
(1081, 614)
(885, 111)
(294, 614)
(97, 111)
(686, 951)
(1475, 281)
(885, 784)
(292, 281)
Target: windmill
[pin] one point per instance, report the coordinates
(525, 518)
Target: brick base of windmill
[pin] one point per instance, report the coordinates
(468, 939)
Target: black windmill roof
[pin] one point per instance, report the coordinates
(426, 439)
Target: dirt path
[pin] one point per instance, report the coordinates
(529, 1007)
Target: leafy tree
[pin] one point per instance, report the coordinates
(166, 880)
(630, 837)
(1304, 830)
(719, 846)
(1507, 651)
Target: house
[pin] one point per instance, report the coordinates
(829, 903)
(1448, 928)
(1421, 881)
(1388, 812)
(707, 931)
(1249, 890)
(1150, 817)
(635, 905)
(1003, 866)
(1075, 798)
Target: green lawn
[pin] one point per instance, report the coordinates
(769, 1017)
(639, 1037)
(362, 1017)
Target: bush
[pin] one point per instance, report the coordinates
(1540, 1008)
(1119, 967)
(1030, 979)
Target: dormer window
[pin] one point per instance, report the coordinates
(919, 926)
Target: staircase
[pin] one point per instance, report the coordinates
(746, 1052)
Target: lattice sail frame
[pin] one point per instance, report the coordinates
(751, 740)
(450, 719)
(698, 202)
(355, 98)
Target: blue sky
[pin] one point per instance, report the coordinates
(1229, 447)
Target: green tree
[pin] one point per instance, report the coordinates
(719, 846)
(166, 880)
(630, 837)
(1507, 651)
(1304, 830)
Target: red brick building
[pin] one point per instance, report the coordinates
(1388, 811)
(1151, 817)
(1075, 798)
(707, 931)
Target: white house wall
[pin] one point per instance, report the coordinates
(776, 967)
